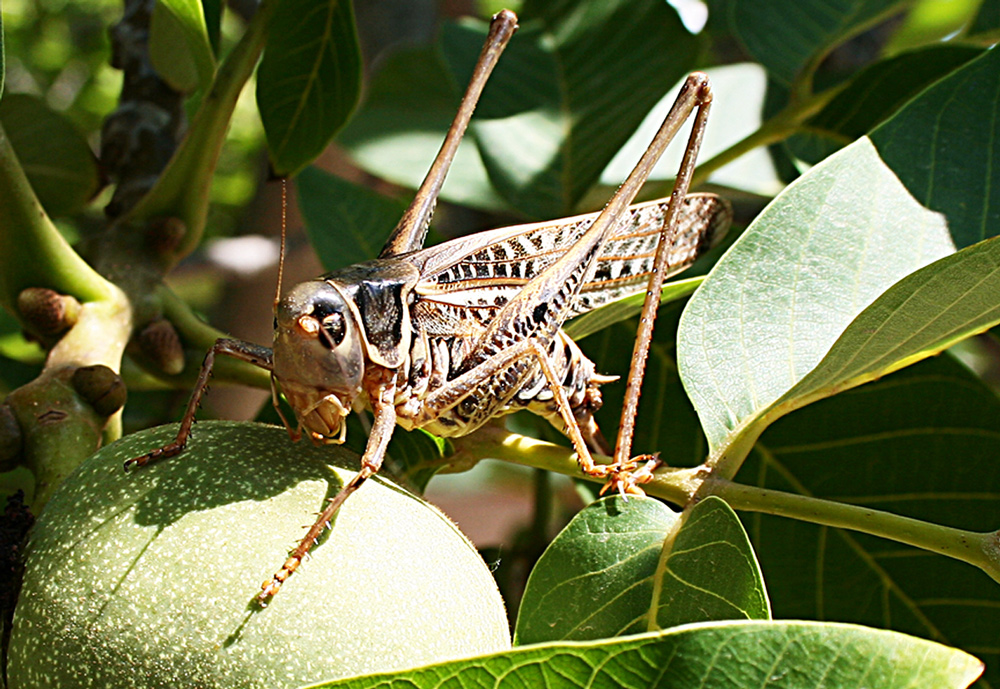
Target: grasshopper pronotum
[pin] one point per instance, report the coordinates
(448, 337)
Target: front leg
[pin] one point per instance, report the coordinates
(244, 351)
(382, 428)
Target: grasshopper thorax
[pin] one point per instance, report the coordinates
(319, 357)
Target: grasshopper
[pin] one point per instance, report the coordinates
(448, 337)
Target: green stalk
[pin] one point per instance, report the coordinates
(200, 336)
(776, 129)
(59, 429)
(32, 252)
(681, 485)
(182, 191)
(979, 549)
(495, 442)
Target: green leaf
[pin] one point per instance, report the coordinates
(921, 315)
(549, 124)
(346, 223)
(410, 103)
(179, 46)
(737, 103)
(309, 80)
(987, 18)
(627, 567)
(787, 36)
(824, 250)
(596, 579)
(724, 655)
(873, 95)
(930, 21)
(415, 456)
(626, 307)
(944, 148)
(710, 571)
(56, 158)
(213, 22)
(922, 443)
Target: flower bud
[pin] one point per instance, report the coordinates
(103, 389)
(161, 343)
(46, 311)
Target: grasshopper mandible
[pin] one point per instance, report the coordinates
(447, 338)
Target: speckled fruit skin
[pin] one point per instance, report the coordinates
(147, 579)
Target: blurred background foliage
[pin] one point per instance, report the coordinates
(416, 54)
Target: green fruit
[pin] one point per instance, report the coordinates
(148, 578)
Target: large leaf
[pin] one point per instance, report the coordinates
(309, 80)
(55, 156)
(987, 18)
(729, 655)
(788, 36)
(919, 316)
(738, 100)
(626, 307)
(921, 443)
(944, 147)
(622, 568)
(550, 123)
(824, 250)
(179, 45)
(596, 579)
(710, 571)
(346, 223)
(873, 95)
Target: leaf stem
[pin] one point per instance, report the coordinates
(493, 441)
(682, 485)
(777, 128)
(979, 549)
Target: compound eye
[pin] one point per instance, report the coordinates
(333, 329)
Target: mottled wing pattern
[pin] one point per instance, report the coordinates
(475, 276)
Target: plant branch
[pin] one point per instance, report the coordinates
(777, 128)
(59, 428)
(182, 191)
(32, 252)
(495, 442)
(682, 485)
(975, 548)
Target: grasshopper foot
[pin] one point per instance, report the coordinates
(171, 450)
(270, 587)
(627, 478)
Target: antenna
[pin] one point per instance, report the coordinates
(281, 249)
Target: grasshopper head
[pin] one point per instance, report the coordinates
(318, 357)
